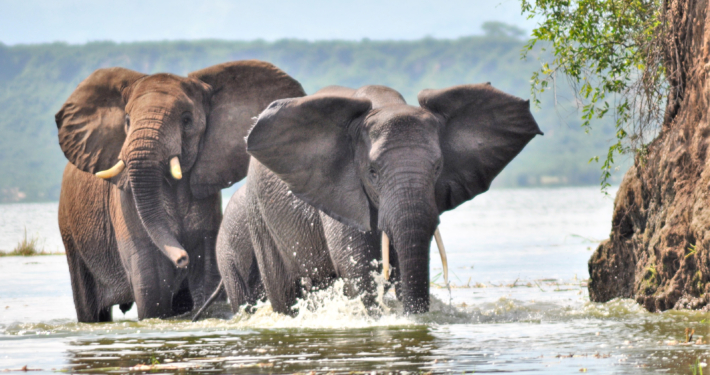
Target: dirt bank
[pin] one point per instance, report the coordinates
(658, 250)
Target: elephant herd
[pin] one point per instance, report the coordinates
(344, 183)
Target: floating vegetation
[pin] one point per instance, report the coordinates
(570, 285)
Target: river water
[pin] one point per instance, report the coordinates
(518, 264)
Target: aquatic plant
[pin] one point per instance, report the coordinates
(697, 368)
(26, 247)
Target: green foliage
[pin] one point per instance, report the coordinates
(610, 52)
(692, 250)
(36, 79)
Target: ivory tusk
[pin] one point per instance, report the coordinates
(113, 171)
(442, 252)
(175, 168)
(385, 256)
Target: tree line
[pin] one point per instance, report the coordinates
(36, 79)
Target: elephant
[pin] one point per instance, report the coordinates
(343, 178)
(140, 201)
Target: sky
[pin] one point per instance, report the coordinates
(81, 21)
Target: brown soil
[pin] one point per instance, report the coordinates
(659, 248)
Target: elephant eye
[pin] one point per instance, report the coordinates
(128, 122)
(186, 120)
(373, 174)
(438, 167)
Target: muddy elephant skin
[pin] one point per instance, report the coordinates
(140, 202)
(332, 172)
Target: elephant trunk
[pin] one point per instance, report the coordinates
(409, 217)
(147, 165)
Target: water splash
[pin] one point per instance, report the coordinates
(328, 308)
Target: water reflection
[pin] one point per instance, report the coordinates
(407, 348)
(507, 333)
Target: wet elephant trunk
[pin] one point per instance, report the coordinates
(409, 217)
(413, 255)
(147, 170)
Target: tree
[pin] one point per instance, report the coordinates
(610, 53)
(627, 57)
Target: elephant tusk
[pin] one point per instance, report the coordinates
(442, 252)
(175, 168)
(112, 172)
(385, 256)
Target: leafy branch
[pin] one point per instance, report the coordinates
(610, 51)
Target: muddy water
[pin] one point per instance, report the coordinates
(520, 303)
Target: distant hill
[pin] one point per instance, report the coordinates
(36, 79)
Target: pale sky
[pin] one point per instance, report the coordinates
(79, 21)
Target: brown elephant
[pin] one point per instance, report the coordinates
(140, 204)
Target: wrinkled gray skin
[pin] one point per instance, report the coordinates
(144, 235)
(331, 171)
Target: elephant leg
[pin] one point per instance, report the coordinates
(210, 274)
(243, 283)
(87, 301)
(240, 270)
(153, 278)
(236, 258)
(201, 223)
(155, 282)
(353, 254)
(281, 285)
(203, 276)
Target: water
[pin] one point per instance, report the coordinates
(518, 262)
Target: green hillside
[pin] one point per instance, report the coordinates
(36, 79)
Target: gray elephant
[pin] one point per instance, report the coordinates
(344, 177)
(140, 203)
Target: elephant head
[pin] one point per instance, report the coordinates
(137, 131)
(369, 160)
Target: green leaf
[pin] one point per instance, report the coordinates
(609, 48)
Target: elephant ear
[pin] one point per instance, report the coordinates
(484, 129)
(240, 91)
(309, 143)
(91, 123)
